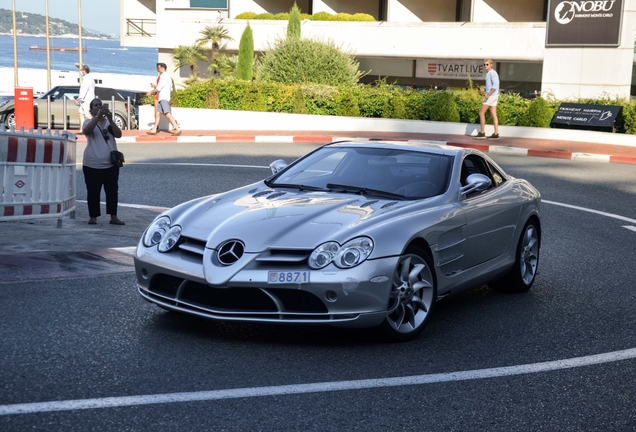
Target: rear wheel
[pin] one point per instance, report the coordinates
(524, 271)
(412, 296)
(120, 122)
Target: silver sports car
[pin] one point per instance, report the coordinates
(352, 234)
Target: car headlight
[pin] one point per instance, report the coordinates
(349, 255)
(4, 101)
(161, 233)
(170, 239)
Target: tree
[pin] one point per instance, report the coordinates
(293, 26)
(305, 61)
(189, 55)
(226, 65)
(246, 55)
(215, 36)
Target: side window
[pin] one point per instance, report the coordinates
(474, 164)
(496, 176)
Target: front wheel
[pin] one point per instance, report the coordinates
(10, 120)
(524, 271)
(412, 297)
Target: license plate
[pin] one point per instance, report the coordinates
(288, 277)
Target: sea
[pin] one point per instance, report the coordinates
(104, 56)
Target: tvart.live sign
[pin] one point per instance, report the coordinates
(449, 69)
(584, 23)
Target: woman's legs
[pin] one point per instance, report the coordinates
(111, 188)
(94, 181)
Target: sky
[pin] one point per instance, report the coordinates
(100, 15)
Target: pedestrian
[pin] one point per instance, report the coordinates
(163, 89)
(98, 170)
(491, 96)
(86, 95)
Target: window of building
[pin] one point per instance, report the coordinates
(209, 4)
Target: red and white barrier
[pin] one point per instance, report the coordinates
(37, 171)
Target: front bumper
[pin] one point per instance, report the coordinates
(356, 297)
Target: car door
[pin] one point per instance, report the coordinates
(66, 96)
(491, 215)
(58, 98)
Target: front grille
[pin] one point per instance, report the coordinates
(192, 245)
(237, 303)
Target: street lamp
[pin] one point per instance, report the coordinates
(79, 23)
(48, 45)
(15, 47)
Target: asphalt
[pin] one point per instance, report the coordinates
(67, 247)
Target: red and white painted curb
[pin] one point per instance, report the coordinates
(517, 151)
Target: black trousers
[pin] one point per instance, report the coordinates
(95, 179)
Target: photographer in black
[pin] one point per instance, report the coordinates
(98, 169)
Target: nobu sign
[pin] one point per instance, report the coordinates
(584, 23)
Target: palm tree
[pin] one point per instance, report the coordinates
(189, 55)
(215, 36)
(225, 65)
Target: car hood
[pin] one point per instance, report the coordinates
(264, 218)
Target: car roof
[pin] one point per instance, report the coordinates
(422, 146)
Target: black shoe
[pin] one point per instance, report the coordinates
(494, 137)
(480, 135)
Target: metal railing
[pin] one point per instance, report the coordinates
(141, 27)
(130, 111)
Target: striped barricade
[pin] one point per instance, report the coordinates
(38, 174)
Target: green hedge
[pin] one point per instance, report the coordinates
(320, 16)
(379, 101)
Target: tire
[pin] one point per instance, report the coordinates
(524, 271)
(10, 120)
(120, 122)
(412, 297)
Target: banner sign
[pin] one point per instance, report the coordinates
(584, 23)
(450, 69)
(587, 116)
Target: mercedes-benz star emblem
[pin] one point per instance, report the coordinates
(231, 251)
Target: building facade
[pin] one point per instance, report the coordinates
(539, 46)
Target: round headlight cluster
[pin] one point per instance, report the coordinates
(349, 255)
(162, 234)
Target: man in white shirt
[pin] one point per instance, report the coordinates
(86, 95)
(163, 88)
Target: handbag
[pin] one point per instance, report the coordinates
(117, 158)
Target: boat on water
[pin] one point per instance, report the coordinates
(56, 49)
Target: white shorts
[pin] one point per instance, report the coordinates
(492, 100)
(85, 109)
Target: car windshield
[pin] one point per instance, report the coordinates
(389, 173)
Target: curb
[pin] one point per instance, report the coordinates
(518, 151)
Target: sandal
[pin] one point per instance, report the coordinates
(92, 221)
(177, 133)
(151, 132)
(117, 221)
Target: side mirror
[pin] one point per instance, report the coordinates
(475, 183)
(277, 166)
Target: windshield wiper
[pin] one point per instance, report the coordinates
(364, 191)
(300, 187)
